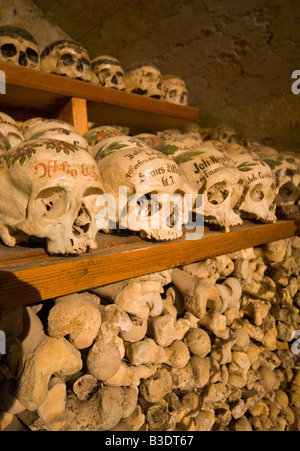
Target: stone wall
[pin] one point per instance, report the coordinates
(236, 57)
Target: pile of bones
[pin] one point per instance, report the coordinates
(207, 346)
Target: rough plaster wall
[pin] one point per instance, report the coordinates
(24, 13)
(237, 56)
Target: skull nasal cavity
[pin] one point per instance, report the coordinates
(22, 59)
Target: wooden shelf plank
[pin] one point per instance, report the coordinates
(29, 275)
(31, 92)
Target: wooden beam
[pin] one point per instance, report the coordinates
(34, 280)
(75, 113)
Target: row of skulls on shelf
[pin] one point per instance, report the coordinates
(51, 179)
(69, 58)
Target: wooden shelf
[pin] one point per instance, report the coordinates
(31, 93)
(29, 275)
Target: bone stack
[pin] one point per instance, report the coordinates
(208, 346)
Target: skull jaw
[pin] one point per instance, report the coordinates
(161, 234)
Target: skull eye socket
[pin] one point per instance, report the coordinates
(52, 203)
(32, 55)
(103, 74)
(287, 190)
(67, 59)
(8, 50)
(257, 193)
(172, 94)
(148, 204)
(217, 193)
(84, 61)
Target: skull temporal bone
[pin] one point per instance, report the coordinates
(152, 179)
(53, 187)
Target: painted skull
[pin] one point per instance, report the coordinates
(154, 189)
(51, 188)
(11, 130)
(109, 72)
(211, 172)
(67, 58)
(41, 125)
(261, 192)
(144, 79)
(97, 134)
(224, 134)
(19, 47)
(179, 144)
(287, 175)
(175, 90)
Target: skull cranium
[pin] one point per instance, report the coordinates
(225, 134)
(67, 58)
(212, 173)
(153, 186)
(109, 72)
(19, 47)
(144, 79)
(175, 90)
(261, 193)
(50, 189)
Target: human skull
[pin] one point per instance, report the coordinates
(150, 139)
(175, 90)
(144, 79)
(10, 129)
(67, 58)
(63, 134)
(212, 173)
(19, 47)
(114, 144)
(169, 133)
(287, 175)
(51, 188)
(155, 183)
(179, 144)
(260, 193)
(109, 72)
(224, 134)
(40, 125)
(97, 134)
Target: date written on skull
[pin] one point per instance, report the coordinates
(154, 211)
(2, 82)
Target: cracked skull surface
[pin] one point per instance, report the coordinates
(19, 47)
(109, 72)
(212, 173)
(144, 79)
(51, 188)
(67, 58)
(261, 192)
(152, 184)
